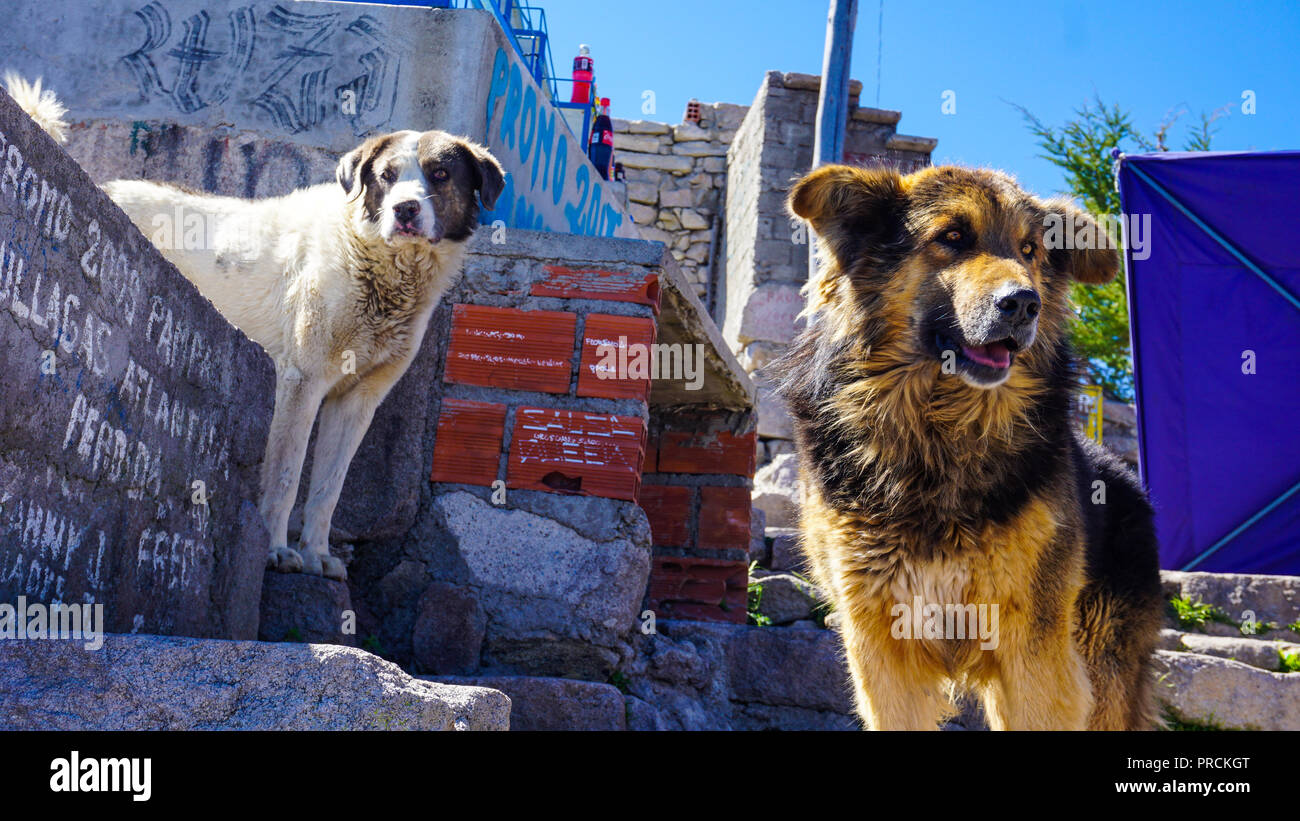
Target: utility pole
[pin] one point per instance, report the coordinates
(833, 98)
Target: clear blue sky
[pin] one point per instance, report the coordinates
(1048, 56)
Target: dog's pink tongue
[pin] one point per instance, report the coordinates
(995, 354)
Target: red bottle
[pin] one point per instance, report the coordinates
(584, 72)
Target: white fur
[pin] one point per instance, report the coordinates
(41, 105)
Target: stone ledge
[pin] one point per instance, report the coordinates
(143, 682)
(1227, 693)
(903, 142)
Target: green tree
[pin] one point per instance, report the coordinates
(1082, 149)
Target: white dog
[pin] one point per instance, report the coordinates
(336, 282)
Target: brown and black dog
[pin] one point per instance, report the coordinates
(931, 393)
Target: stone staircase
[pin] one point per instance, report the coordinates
(1211, 674)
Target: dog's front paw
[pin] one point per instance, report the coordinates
(323, 564)
(284, 559)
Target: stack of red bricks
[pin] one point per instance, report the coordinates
(577, 446)
(697, 498)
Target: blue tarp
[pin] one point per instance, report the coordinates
(1218, 291)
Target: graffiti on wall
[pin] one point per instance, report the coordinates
(283, 63)
(550, 184)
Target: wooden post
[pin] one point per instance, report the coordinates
(833, 98)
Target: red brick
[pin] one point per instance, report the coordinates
(699, 589)
(576, 452)
(609, 374)
(618, 286)
(724, 518)
(669, 510)
(510, 348)
(468, 447)
(719, 452)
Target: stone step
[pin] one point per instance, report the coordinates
(1270, 598)
(146, 682)
(541, 703)
(1226, 694)
(1260, 653)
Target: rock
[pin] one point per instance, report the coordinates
(759, 550)
(1271, 598)
(774, 421)
(1230, 694)
(1170, 639)
(630, 142)
(643, 192)
(1119, 413)
(669, 222)
(557, 603)
(448, 634)
(691, 220)
(699, 148)
(689, 131)
(715, 165)
(1255, 652)
(786, 598)
(796, 668)
(641, 127)
(675, 197)
(642, 214)
(144, 682)
(770, 313)
(785, 550)
(554, 703)
(776, 491)
(661, 162)
(757, 355)
(304, 608)
(99, 498)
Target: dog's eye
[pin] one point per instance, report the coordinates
(953, 237)
(1028, 249)
(441, 174)
(389, 175)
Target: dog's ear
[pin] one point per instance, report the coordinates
(855, 211)
(489, 179)
(1079, 245)
(346, 173)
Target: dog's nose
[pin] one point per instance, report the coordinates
(407, 211)
(1020, 306)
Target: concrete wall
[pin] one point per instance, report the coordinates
(766, 251)
(122, 388)
(257, 97)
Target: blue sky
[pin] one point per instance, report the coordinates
(1048, 56)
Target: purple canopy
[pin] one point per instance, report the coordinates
(1218, 290)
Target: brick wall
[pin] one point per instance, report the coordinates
(696, 494)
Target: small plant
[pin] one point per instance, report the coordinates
(1257, 628)
(293, 634)
(371, 644)
(1195, 615)
(620, 680)
(1294, 626)
(1175, 722)
(1288, 660)
(755, 600)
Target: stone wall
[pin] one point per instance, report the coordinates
(675, 178)
(133, 417)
